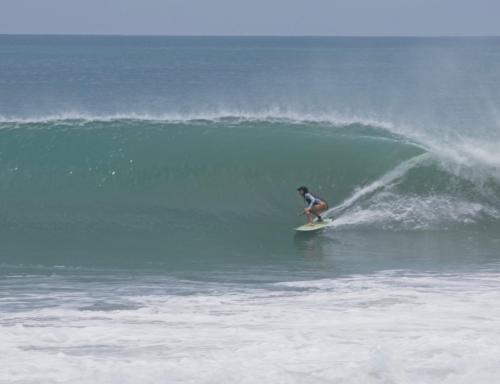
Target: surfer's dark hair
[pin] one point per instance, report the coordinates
(303, 189)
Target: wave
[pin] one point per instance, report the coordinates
(130, 169)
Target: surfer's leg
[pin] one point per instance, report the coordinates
(318, 208)
(309, 218)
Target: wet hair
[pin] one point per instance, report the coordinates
(303, 189)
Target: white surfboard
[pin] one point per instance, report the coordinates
(315, 226)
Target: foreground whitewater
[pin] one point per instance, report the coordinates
(395, 327)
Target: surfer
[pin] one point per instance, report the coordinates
(315, 205)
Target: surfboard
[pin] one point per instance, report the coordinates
(315, 226)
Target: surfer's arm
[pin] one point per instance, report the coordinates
(310, 199)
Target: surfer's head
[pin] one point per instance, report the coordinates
(302, 190)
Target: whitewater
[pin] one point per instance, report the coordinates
(387, 327)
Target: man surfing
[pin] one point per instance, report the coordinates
(315, 205)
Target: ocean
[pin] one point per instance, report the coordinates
(148, 189)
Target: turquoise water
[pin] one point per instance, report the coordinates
(150, 182)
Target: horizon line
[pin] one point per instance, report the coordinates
(241, 35)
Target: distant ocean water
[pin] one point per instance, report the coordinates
(149, 198)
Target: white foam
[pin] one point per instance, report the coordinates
(477, 158)
(392, 211)
(271, 114)
(382, 328)
(384, 181)
(378, 203)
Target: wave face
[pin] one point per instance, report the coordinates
(230, 182)
(188, 147)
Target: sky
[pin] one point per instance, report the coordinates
(252, 17)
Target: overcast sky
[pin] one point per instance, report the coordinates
(252, 17)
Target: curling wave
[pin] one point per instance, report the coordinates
(248, 165)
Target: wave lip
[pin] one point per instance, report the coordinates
(271, 115)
